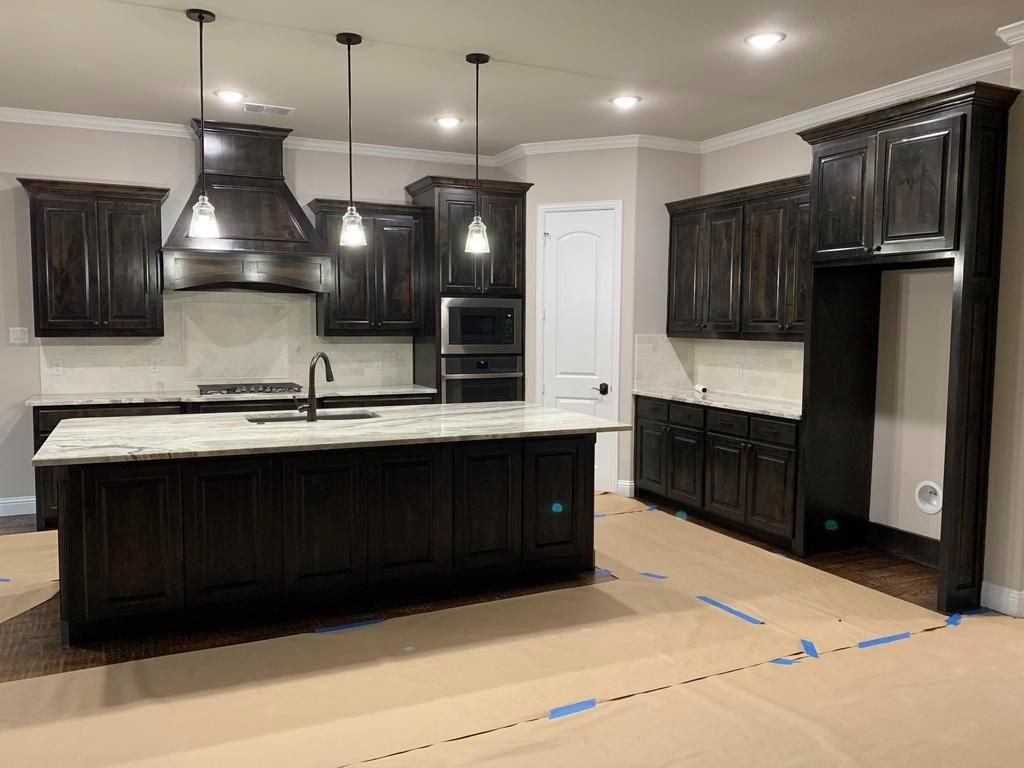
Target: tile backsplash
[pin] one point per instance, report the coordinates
(755, 368)
(217, 337)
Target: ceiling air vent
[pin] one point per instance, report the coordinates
(267, 109)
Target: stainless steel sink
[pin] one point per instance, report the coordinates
(322, 414)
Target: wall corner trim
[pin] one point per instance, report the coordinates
(626, 488)
(1003, 599)
(17, 505)
(1012, 34)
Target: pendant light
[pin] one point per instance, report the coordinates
(204, 217)
(476, 238)
(352, 233)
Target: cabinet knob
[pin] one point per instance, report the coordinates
(877, 248)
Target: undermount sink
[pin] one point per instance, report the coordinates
(321, 415)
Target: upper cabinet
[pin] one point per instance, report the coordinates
(885, 192)
(95, 258)
(502, 272)
(739, 263)
(377, 288)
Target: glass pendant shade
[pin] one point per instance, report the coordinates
(352, 232)
(476, 239)
(204, 219)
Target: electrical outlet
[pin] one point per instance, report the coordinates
(154, 365)
(58, 368)
(17, 335)
(378, 363)
(739, 370)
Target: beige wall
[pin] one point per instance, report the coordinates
(88, 155)
(1004, 545)
(767, 159)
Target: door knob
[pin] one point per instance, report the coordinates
(602, 388)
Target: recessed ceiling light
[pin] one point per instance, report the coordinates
(765, 40)
(448, 121)
(231, 97)
(625, 102)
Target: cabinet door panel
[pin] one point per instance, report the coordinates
(798, 265)
(558, 508)
(232, 531)
(764, 260)
(685, 472)
(325, 535)
(650, 458)
(503, 268)
(843, 176)
(129, 277)
(395, 253)
(461, 272)
(132, 555)
(725, 476)
(66, 265)
(723, 239)
(772, 490)
(918, 174)
(411, 533)
(488, 504)
(685, 276)
(349, 305)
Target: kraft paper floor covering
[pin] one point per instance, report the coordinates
(338, 698)
(28, 571)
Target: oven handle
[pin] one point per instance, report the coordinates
(518, 375)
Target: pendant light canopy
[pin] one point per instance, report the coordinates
(476, 238)
(352, 232)
(204, 216)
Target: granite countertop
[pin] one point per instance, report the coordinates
(192, 395)
(763, 406)
(146, 438)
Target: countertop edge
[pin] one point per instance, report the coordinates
(141, 398)
(743, 403)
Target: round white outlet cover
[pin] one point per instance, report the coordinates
(928, 496)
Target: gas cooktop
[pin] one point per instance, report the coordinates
(248, 389)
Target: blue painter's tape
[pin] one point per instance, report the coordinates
(650, 575)
(883, 640)
(681, 515)
(810, 649)
(785, 662)
(605, 571)
(557, 507)
(954, 620)
(571, 709)
(975, 611)
(651, 507)
(727, 609)
(353, 625)
(6, 581)
(602, 514)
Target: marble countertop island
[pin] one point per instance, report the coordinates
(148, 438)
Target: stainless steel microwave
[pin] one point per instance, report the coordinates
(480, 326)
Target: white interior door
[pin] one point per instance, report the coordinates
(580, 257)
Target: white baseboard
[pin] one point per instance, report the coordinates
(17, 505)
(1003, 599)
(625, 488)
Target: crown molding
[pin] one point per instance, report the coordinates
(628, 141)
(93, 122)
(383, 150)
(887, 95)
(1012, 34)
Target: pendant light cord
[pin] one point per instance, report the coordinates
(351, 196)
(202, 110)
(477, 125)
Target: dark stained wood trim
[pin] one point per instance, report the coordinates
(903, 544)
(979, 94)
(93, 189)
(330, 205)
(792, 185)
(488, 185)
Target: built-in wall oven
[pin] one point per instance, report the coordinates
(479, 326)
(481, 379)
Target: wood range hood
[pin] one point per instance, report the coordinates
(266, 241)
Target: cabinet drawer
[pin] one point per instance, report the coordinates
(652, 410)
(727, 422)
(769, 430)
(51, 417)
(686, 415)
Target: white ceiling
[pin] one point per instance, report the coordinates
(556, 63)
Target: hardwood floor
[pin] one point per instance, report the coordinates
(17, 524)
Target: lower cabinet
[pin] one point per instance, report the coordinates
(558, 503)
(737, 467)
(488, 503)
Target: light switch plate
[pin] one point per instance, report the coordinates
(58, 368)
(154, 365)
(17, 335)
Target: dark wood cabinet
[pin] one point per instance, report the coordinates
(95, 258)
(502, 272)
(324, 516)
(378, 288)
(558, 499)
(738, 263)
(488, 505)
(410, 532)
(232, 531)
(738, 468)
(842, 176)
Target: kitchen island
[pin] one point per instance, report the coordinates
(166, 520)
